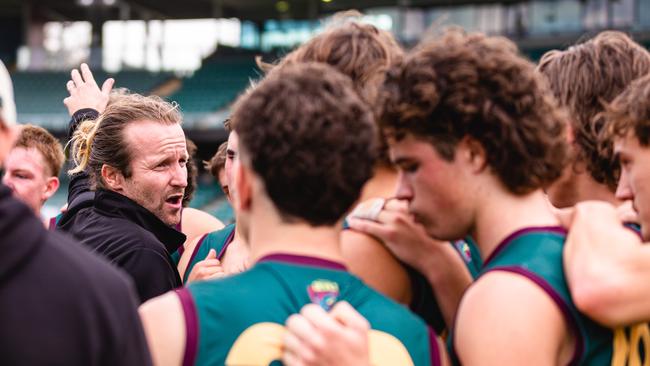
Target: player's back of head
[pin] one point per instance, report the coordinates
(310, 138)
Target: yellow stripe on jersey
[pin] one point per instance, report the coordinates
(261, 344)
(627, 353)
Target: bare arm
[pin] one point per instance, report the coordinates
(607, 267)
(164, 326)
(504, 319)
(437, 261)
(197, 223)
(367, 258)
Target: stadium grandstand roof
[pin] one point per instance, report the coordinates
(254, 10)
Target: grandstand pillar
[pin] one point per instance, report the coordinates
(95, 16)
(217, 9)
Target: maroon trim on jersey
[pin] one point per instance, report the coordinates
(229, 240)
(563, 306)
(52, 225)
(505, 242)
(303, 260)
(196, 248)
(191, 326)
(433, 345)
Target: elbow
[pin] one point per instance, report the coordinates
(598, 300)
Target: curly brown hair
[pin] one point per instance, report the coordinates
(310, 137)
(192, 172)
(218, 161)
(472, 85)
(583, 79)
(630, 112)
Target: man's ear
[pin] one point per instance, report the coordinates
(50, 188)
(473, 153)
(242, 179)
(113, 178)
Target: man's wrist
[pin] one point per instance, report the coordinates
(79, 116)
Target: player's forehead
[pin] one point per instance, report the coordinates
(25, 158)
(410, 147)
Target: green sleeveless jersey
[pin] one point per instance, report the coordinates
(217, 240)
(239, 320)
(536, 253)
(469, 252)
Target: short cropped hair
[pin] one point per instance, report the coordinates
(630, 112)
(460, 85)
(35, 137)
(310, 138)
(218, 161)
(583, 79)
(102, 141)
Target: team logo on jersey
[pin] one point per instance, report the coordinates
(323, 293)
(465, 251)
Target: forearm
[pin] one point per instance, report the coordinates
(449, 277)
(614, 289)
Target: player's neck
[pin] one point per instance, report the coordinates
(274, 236)
(587, 189)
(502, 213)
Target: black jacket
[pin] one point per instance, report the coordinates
(59, 303)
(122, 231)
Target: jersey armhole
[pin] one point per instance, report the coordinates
(191, 326)
(189, 268)
(557, 299)
(434, 347)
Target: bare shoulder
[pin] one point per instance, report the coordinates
(369, 259)
(505, 318)
(163, 320)
(197, 222)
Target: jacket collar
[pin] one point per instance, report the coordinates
(21, 233)
(114, 204)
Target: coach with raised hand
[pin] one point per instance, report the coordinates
(133, 154)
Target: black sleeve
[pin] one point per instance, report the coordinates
(80, 182)
(151, 272)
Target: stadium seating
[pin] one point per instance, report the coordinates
(214, 85)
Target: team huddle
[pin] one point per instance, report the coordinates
(454, 203)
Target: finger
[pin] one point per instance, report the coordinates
(302, 328)
(320, 320)
(212, 254)
(108, 86)
(209, 263)
(369, 227)
(290, 359)
(396, 204)
(219, 274)
(87, 74)
(348, 316)
(76, 77)
(70, 86)
(389, 217)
